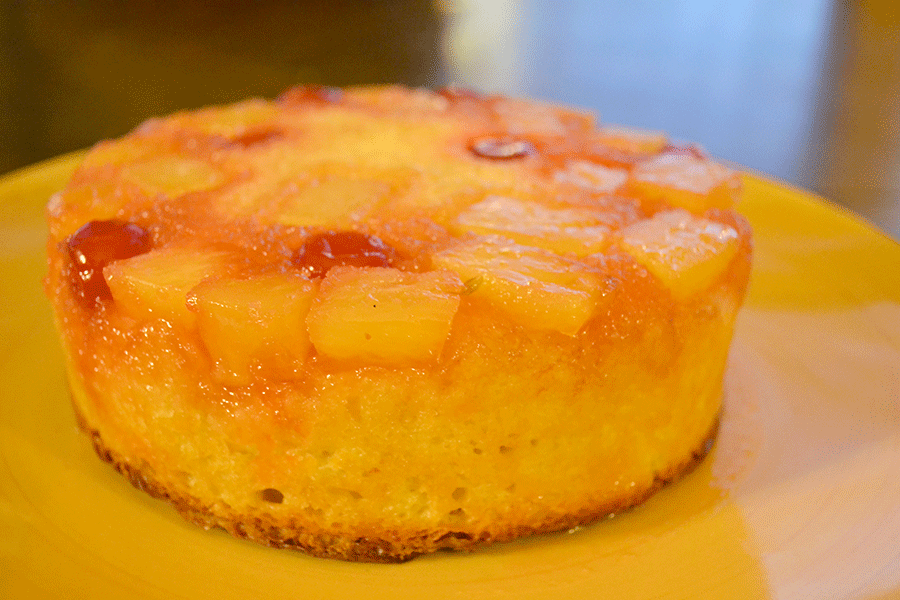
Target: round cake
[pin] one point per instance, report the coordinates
(378, 322)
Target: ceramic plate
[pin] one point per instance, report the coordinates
(799, 500)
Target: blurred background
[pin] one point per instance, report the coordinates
(807, 91)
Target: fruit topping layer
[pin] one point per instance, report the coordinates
(353, 225)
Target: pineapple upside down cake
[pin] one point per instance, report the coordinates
(378, 322)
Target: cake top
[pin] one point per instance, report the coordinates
(328, 194)
(325, 158)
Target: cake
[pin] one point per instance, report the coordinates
(378, 322)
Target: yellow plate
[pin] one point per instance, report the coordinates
(800, 498)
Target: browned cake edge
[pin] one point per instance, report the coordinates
(395, 546)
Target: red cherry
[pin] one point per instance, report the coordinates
(330, 249)
(94, 246)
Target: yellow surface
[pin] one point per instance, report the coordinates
(800, 498)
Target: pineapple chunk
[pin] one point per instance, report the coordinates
(382, 315)
(397, 98)
(118, 152)
(687, 182)
(72, 208)
(685, 252)
(261, 320)
(173, 176)
(330, 194)
(594, 177)
(575, 230)
(230, 121)
(534, 287)
(636, 141)
(155, 284)
(332, 201)
(523, 117)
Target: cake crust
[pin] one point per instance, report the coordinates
(391, 546)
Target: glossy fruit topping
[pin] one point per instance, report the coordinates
(501, 147)
(456, 94)
(97, 244)
(691, 150)
(257, 137)
(312, 93)
(330, 249)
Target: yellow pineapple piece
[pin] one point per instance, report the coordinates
(257, 320)
(397, 99)
(594, 177)
(155, 284)
(74, 207)
(231, 121)
(321, 195)
(258, 196)
(685, 252)
(533, 287)
(389, 143)
(573, 230)
(383, 315)
(636, 141)
(338, 194)
(173, 175)
(117, 152)
(330, 202)
(687, 182)
(523, 116)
